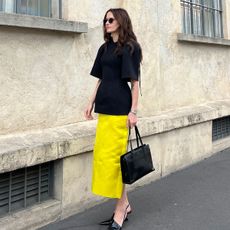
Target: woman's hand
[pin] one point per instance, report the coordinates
(88, 112)
(132, 120)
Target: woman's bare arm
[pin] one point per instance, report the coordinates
(88, 110)
(132, 118)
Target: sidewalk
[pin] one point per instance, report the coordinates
(196, 198)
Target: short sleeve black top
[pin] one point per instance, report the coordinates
(115, 70)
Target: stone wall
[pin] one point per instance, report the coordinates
(45, 78)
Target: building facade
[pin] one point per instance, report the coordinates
(47, 50)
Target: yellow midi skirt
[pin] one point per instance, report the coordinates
(110, 144)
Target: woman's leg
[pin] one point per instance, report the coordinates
(122, 207)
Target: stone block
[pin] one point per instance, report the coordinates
(185, 146)
(76, 194)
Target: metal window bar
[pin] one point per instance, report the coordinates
(196, 19)
(221, 19)
(50, 8)
(220, 128)
(1, 5)
(25, 187)
(191, 17)
(202, 17)
(60, 9)
(39, 185)
(10, 189)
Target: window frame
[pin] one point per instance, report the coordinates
(55, 8)
(208, 20)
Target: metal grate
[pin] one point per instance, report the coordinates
(25, 187)
(202, 17)
(220, 128)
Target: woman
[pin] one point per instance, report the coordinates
(117, 63)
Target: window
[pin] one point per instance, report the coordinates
(24, 187)
(202, 17)
(221, 128)
(42, 8)
(34, 7)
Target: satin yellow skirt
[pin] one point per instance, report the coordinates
(110, 144)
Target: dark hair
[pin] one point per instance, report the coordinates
(125, 30)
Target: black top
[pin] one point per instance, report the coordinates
(115, 70)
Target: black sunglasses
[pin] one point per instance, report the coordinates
(110, 20)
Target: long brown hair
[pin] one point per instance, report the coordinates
(125, 30)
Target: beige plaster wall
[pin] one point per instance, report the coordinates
(39, 83)
(44, 77)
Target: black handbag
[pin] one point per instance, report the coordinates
(137, 162)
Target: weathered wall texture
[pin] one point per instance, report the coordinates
(44, 77)
(45, 87)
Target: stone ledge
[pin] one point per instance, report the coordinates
(202, 39)
(35, 22)
(183, 117)
(31, 148)
(33, 217)
(221, 144)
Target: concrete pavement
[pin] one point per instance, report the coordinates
(195, 198)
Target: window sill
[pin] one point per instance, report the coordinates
(202, 39)
(35, 22)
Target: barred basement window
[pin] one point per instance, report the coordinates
(202, 17)
(25, 187)
(220, 128)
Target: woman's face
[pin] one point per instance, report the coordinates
(110, 23)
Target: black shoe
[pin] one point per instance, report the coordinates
(110, 220)
(114, 226)
(107, 222)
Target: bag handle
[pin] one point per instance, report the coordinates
(138, 137)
